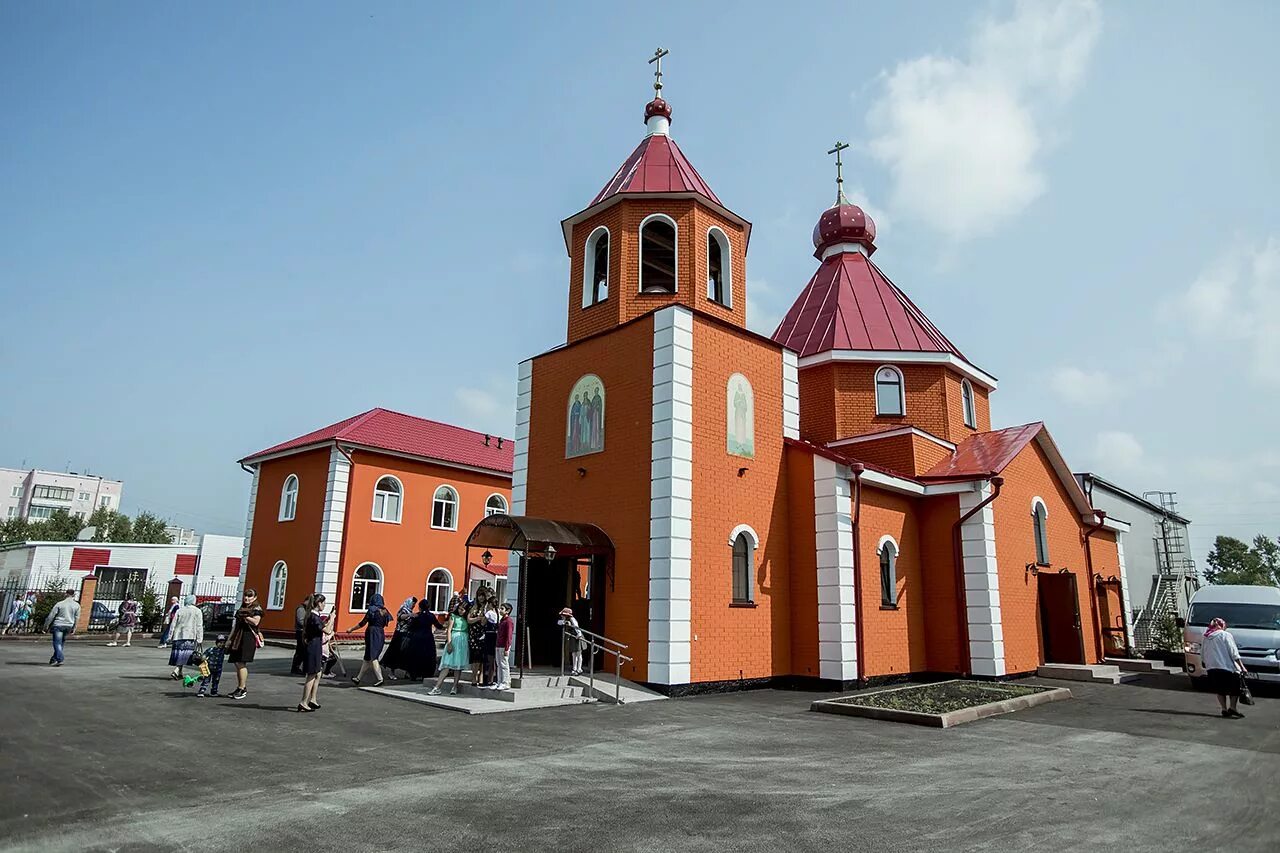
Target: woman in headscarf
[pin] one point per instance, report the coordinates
(331, 656)
(313, 658)
(245, 640)
(1222, 660)
(419, 652)
(185, 635)
(375, 621)
(394, 658)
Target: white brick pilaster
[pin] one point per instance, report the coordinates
(520, 471)
(837, 617)
(1124, 586)
(671, 498)
(982, 585)
(248, 535)
(332, 524)
(790, 395)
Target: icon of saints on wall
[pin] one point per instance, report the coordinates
(741, 423)
(584, 428)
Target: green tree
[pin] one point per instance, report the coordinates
(1234, 562)
(14, 530)
(150, 601)
(62, 526)
(150, 529)
(53, 591)
(1166, 635)
(111, 526)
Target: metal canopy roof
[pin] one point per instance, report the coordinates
(524, 534)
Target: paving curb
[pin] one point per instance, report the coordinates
(841, 705)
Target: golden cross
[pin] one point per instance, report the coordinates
(840, 146)
(657, 72)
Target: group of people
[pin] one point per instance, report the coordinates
(479, 635)
(20, 612)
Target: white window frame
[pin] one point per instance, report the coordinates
(589, 266)
(893, 568)
(902, 391)
(373, 512)
(448, 584)
(753, 539)
(457, 506)
(488, 510)
(967, 402)
(1039, 531)
(726, 265)
(289, 499)
(364, 587)
(278, 586)
(640, 251)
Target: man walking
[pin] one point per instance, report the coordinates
(62, 621)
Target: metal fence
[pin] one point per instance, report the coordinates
(25, 601)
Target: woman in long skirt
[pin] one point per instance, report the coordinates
(331, 657)
(457, 657)
(375, 621)
(313, 657)
(245, 640)
(393, 658)
(420, 643)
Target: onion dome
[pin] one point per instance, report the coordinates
(844, 223)
(657, 107)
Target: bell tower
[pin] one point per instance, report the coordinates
(655, 235)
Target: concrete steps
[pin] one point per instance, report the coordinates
(538, 690)
(1094, 673)
(1144, 665)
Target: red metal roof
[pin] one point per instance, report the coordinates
(849, 304)
(984, 453)
(386, 430)
(656, 166)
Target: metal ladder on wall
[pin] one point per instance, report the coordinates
(1176, 579)
(595, 643)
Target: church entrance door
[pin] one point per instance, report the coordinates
(1060, 618)
(576, 583)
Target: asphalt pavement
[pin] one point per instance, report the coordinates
(106, 753)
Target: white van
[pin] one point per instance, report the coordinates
(1252, 614)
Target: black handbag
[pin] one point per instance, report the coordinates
(1246, 696)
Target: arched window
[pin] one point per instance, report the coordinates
(439, 590)
(595, 272)
(279, 580)
(889, 398)
(289, 498)
(658, 254)
(387, 497)
(495, 505)
(1040, 526)
(584, 419)
(745, 542)
(365, 584)
(966, 397)
(719, 271)
(444, 509)
(888, 572)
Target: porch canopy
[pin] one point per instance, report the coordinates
(530, 536)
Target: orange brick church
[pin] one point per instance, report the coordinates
(828, 505)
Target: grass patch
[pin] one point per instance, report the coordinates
(942, 698)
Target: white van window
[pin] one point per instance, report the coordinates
(1263, 616)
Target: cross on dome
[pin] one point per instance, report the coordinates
(840, 146)
(657, 108)
(657, 71)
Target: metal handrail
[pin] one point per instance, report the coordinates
(581, 634)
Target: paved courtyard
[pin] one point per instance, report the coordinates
(108, 754)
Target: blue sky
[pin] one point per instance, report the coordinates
(221, 228)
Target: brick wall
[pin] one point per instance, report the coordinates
(894, 640)
(803, 633)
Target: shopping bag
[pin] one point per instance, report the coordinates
(1246, 696)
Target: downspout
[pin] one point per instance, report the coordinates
(1093, 593)
(962, 598)
(857, 469)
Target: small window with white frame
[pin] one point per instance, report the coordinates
(439, 589)
(719, 268)
(495, 505)
(388, 496)
(890, 399)
(595, 268)
(279, 582)
(888, 553)
(365, 584)
(289, 498)
(744, 542)
(966, 398)
(444, 509)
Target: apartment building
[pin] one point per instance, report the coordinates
(35, 494)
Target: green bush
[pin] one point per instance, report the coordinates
(53, 591)
(151, 610)
(1167, 636)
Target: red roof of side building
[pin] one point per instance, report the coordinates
(656, 166)
(984, 453)
(382, 429)
(849, 304)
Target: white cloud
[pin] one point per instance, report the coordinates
(1236, 300)
(762, 315)
(962, 137)
(491, 409)
(1116, 453)
(1084, 387)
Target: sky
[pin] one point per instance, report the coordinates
(224, 226)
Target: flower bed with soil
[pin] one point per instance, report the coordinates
(944, 704)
